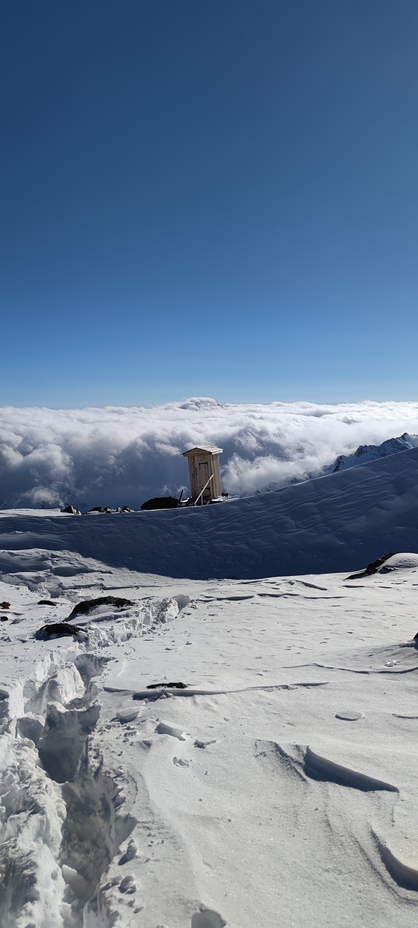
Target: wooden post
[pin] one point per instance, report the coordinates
(202, 491)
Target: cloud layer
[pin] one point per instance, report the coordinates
(116, 456)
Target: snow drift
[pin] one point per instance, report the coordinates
(339, 522)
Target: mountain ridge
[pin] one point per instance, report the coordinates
(364, 454)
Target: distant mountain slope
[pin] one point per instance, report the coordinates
(339, 522)
(366, 453)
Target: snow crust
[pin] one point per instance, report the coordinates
(279, 784)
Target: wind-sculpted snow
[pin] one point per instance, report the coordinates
(286, 760)
(321, 768)
(117, 456)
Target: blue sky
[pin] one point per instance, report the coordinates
(208, 199)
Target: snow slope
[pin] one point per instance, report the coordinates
(364, 454)
(278, 788)
(339, 522)
(278, 785)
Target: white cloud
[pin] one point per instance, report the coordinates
(116, 456)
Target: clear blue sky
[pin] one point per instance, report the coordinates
(208, 198)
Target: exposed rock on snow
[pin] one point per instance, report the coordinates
(58, 629)
(118, 602)
(371, 568)
(160, 502)
(167, 686)
(387, 563)
(106, 509)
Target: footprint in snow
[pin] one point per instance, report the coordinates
(179, 762)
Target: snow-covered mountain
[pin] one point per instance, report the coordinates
(364, 454)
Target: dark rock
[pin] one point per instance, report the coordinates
(4, 618)
(161, 502)
(371, 568)
(58, 629)
(374, 566)
(109, 509)
(168, 686)
(72, 510)
(117, 601)
(46, 602)
(5, 605)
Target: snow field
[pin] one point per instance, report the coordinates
(278, 787)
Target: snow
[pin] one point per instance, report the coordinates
(279, 785)
(339, 522)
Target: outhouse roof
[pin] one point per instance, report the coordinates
(206, 449)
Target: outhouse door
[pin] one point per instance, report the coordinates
(204, 474)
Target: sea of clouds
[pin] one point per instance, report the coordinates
(119, 456)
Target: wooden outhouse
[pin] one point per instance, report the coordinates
(204, 473)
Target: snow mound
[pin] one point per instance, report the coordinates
(407, 561)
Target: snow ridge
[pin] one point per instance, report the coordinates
(365, 453)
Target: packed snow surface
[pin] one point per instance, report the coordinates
(208, 752)
(278, 787)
